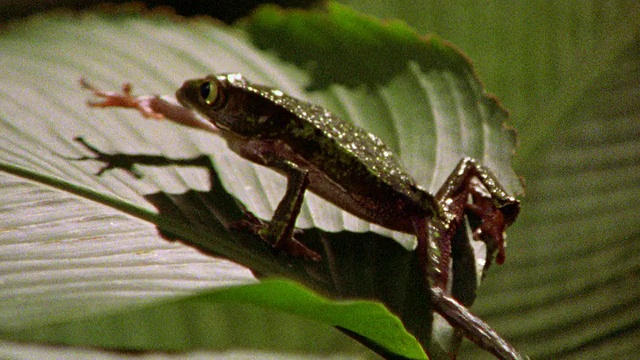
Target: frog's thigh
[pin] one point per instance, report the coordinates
(461, 176)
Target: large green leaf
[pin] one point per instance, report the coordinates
(138, 328)
(77, 246)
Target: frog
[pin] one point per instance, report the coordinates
(349, 167)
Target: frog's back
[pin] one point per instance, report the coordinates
(353, 158)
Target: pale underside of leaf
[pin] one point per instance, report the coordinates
(429, 152)
(43, 110)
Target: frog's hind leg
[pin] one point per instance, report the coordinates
(489, 202)
(471, 326)
(470, 189)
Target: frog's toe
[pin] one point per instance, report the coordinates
(252, 224)
(493, 236)
(297, 249)
(291, 246)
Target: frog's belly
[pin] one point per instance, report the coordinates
(369, 199)
(389, 209)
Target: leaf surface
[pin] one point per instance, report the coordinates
(88, 242)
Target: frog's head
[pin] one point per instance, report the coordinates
(228, 101)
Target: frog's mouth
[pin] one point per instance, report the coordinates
(185, 92)
(194, 118)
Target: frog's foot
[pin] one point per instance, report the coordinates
(496, 214)
(124, 99)
(290, 245)
(295, 248)
(492, 229)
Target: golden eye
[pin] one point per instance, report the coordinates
(209, 93)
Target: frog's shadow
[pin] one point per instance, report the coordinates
(354, 265)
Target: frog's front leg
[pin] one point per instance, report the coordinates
(280, 230)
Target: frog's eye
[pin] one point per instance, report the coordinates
(209, 93)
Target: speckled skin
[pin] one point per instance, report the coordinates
(352, 169)
(346, 165)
